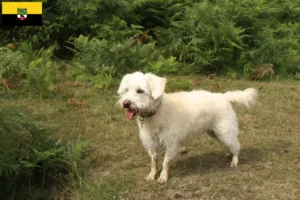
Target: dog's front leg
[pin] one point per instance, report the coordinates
(151, 146)
(153, 171)
(171, 152)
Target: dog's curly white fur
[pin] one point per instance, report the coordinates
(168, 119)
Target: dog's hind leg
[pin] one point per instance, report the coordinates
(234, 149)
(228, 135)
(212, 134)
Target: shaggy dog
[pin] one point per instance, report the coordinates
(168, 119)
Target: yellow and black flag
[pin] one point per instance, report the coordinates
(22, 13)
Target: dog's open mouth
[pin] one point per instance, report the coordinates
(130, 113)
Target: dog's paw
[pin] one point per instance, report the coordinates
(150, 177)
(234, 162)
(229, 155)
(183, 150)
(233, 165)
(162, 179)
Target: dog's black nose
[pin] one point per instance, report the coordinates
(126, 104)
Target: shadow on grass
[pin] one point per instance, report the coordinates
(214, 161)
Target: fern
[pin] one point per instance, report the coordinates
(208, 35)
(94, 56)
(41, 73)
(10, 62)
(165, 66)
(26, 149)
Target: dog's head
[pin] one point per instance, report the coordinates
(140, 92)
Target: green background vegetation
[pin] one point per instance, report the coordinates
(183, 37)
(95, 42)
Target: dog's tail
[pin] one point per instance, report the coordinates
(246, 98)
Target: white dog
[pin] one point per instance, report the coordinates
(168, 119)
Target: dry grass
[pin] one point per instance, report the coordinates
(116, 163)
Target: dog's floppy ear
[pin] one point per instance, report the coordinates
(121, 87)
(156, 84)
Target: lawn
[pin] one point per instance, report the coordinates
(116, 163)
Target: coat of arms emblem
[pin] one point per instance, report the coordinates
(22, 13)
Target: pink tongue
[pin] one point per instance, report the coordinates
(129, 114)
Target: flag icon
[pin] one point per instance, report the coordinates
(22, 13)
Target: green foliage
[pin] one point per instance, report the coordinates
(165, 66)
(103, 80)
(36, 71)
(29, 156)
(203, 36)
(102, 40)
(297, 76)
(41, 72)
(218, 35)
(10, 62)
(280, 45)
(178, 85)
(100, 60)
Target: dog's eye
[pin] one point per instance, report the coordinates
(140, 91)
(126, 90)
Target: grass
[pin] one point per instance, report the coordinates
(116, 163)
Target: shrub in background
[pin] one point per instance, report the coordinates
(208, 36)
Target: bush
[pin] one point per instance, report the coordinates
(11, 63)
(165, 66)
(104, 39)
(216, 36)
(30, 157)
(100, 60)
(35, 71)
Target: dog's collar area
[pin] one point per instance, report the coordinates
(150, 114)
